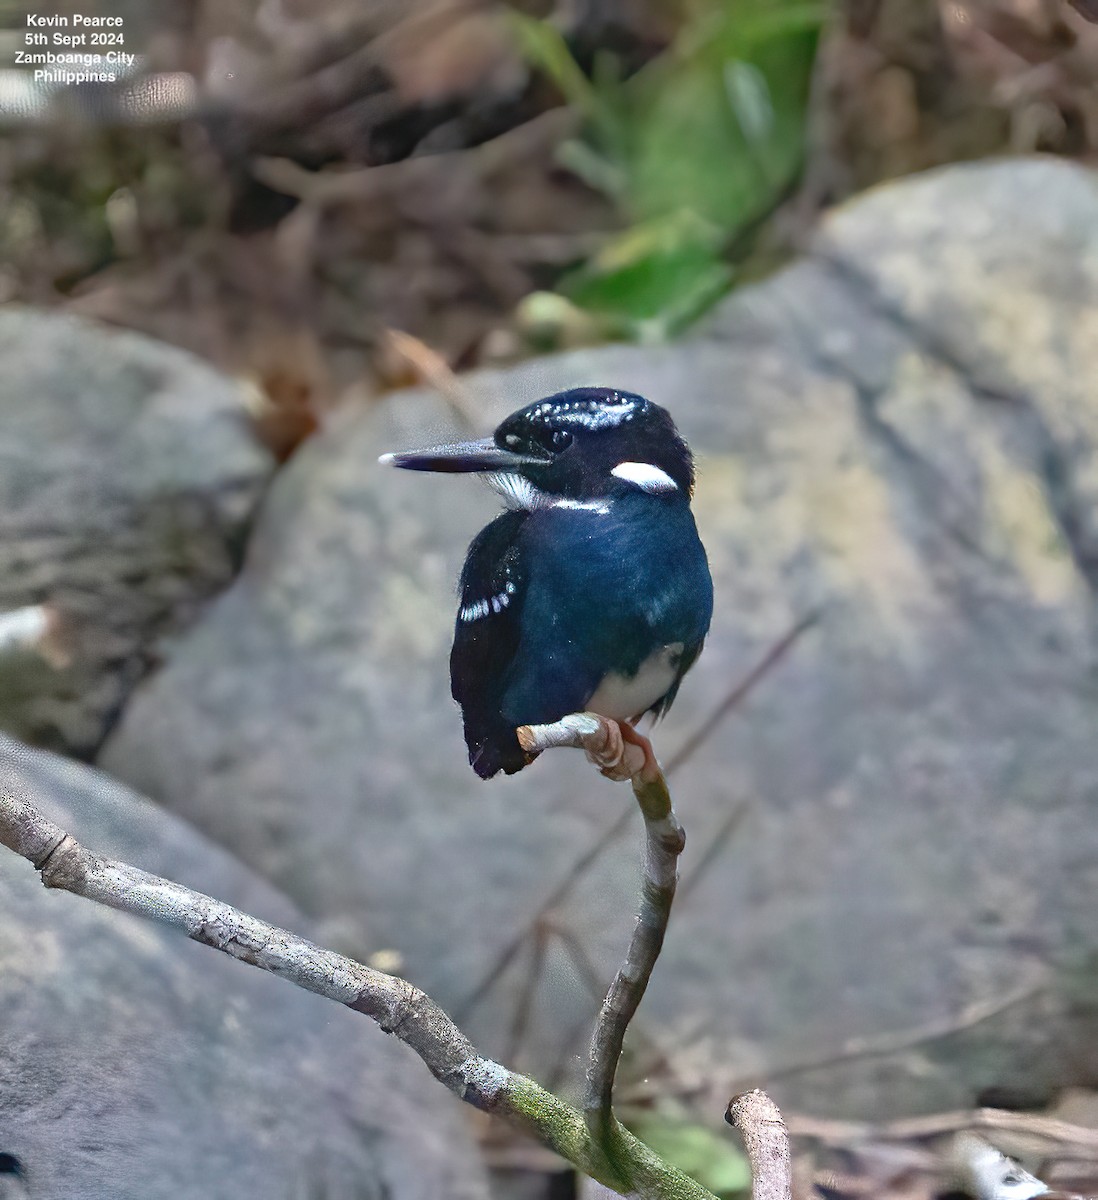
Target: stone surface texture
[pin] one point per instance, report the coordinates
(900, 430)
(137, 1064)
(128, 475)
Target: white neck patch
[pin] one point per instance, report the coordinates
(518, 492)
(647, 477)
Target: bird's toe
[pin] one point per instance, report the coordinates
(647, 765)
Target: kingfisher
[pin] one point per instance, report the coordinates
(592, 591)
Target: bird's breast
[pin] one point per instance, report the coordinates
(622, 697)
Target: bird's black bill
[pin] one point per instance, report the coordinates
(462, 457)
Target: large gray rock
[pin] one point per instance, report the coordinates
(137, 1064)
(901, 428)
(127, 477)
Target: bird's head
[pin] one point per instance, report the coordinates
(585, 445)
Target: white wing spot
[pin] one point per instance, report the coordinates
(474, 611)
(481, 608)
(647, 477)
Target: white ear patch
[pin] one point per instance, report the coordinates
(647, 477)
(519, 493)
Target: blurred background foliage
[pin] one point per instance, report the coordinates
(361, 192)
(692, 151)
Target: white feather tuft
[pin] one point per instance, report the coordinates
(517, 491)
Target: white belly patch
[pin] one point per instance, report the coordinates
(622, 697)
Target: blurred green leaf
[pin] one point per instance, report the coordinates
(597, 171)
(656, 277)
(694, 148)
(710, 1158)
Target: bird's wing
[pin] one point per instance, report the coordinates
(486, 638)
(514, 661)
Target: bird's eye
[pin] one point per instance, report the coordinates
(560, 440)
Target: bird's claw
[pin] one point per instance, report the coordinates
(649, 768)
(616, 748)
(608, 749)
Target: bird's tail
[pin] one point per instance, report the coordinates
(495, 751)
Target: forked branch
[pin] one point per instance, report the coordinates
(620, 752)
(602, 1148)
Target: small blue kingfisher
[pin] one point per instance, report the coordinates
(592, 592)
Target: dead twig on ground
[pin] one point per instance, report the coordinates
(433, 370)
(327, 188)
(881, 1044)
(991, 1121)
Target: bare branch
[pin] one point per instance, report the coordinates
(621, 1161)
(757, 1118)
(618, 750)
(664, 842)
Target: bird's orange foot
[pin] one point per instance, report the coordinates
(611, 752)
(616, 748)
(649, 769)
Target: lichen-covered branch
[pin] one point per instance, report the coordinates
(766, 1139)
(409, 1014)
